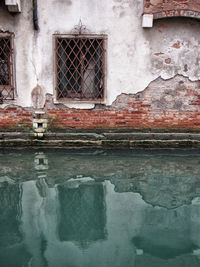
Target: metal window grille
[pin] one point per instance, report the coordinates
(80, 67)
(6, 68)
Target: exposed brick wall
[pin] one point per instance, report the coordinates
(135, 116)
(164, 105)
(15, 118)
(172, 8)
(157, 107)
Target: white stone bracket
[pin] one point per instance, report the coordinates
(147, 21)
(13, 5)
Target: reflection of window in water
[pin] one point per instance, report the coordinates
(83, 214)
(12, 251)
(10, 196)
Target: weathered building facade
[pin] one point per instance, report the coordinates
(119, 64)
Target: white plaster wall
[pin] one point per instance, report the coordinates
(135, 56)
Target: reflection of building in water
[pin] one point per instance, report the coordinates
(10, 213)
(158, 189)
(71, 214)
(41, 161)
(35, 206)
(41, 164)
(145, 216)
(166, 237)
(150, 261)
(12, 250)
(82, 211)
(80, 222)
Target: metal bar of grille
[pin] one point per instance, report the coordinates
(6, 68)
(80, 67)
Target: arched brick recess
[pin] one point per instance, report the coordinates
(172, 8)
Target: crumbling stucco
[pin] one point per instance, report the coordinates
(175, 48)
(175, 94)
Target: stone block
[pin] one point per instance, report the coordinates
(147, 21)
(13, 5)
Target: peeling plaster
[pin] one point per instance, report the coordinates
(177, 93)
(176, 50)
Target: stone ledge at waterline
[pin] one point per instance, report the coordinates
(105, 140)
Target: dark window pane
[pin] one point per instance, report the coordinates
(6, 68)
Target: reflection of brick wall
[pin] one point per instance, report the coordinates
(172, 8)
(15, 118)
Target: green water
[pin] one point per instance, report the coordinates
(99, 209)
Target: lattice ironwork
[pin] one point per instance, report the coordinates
(6, 68)
(80, 67)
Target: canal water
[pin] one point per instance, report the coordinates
(99, 209)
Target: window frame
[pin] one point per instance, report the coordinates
(104, 38)
(11, 70)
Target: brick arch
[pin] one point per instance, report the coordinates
(172, 8)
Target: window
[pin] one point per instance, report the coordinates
(80, 67)
(6, 67)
